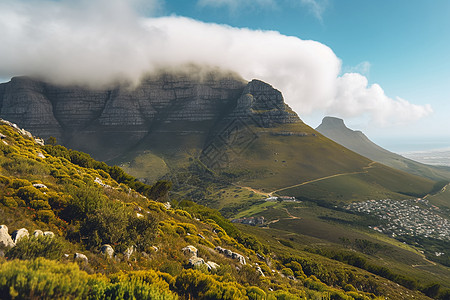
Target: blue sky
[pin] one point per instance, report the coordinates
(403, 45)
(383, 66)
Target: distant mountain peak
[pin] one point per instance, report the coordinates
(333, 121)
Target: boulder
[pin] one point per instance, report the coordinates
(39, 186)
(195, 261)
(37, 233)
(239, 258)
(190, 250)
(17, 235)
(49, 233)
(80, 257)
(107, 250)
(5, 239)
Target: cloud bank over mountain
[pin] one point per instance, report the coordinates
(100, 42)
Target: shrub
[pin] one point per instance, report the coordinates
(33, 247)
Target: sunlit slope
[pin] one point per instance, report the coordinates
(287, 163)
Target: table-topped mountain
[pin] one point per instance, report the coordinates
(213, 120)
(130, 113)
(335, 129)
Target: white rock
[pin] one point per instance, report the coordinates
(195, 261)
(39, 185)
(190, 250)
(212, 265)
(128, 252)
(19, 234)
(37, 233)
(107, 250)
(5, 238)
(81, 257)
(49, 233)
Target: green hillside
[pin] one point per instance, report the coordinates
(87, 204)
(280, 159)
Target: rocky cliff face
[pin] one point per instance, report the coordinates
(85, 118)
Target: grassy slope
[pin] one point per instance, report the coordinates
(323, 228)
(164, 269)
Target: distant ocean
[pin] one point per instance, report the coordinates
(429, 151)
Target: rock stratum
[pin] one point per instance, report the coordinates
(104, 122)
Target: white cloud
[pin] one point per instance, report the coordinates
(354, 97)
(316, 7)
(362, 68)
(99, 42)
(235, 4)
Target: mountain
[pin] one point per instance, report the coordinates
(213, 124)
(76, 228)
(335, 129)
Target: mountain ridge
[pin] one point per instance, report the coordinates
(336, 130)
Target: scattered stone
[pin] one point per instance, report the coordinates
(5, 142)
(39, 141)
(107, 250)
(231, 254)
(190, 250)
(81, 257)
(212, 265)
(155, 248)
(39, 185)
(40, 155)
(167, 205)
(49, 233)
(2, 136)
(19, 234)
(139, 215)
(37, 233)
(99, 181)
(66, 255)
(195, 261)
(260, 271)
(201, 236)
(260, 256)
(5, 238)
(239, 258)
(128, 252)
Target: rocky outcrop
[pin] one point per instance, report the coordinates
(228, 253)
(5, 239)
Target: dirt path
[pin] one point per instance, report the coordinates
(370, 165)
(255, 191)
(440, 192)
(291, 216)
